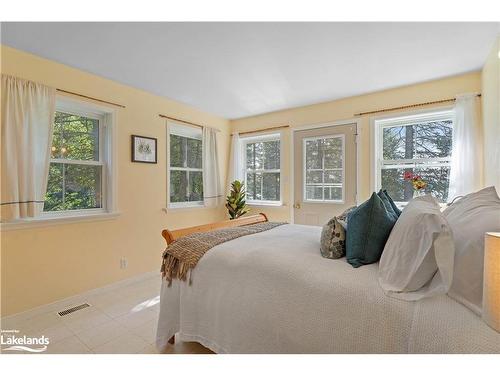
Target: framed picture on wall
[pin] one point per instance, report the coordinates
(143, 149)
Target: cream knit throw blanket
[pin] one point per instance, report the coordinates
(183, 254)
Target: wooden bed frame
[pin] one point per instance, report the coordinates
(171, 236)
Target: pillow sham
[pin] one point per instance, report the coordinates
(368, 229)
(332, 244)
(470, 218)
(417, 261)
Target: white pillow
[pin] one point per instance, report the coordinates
(470, 218)
(417, 261)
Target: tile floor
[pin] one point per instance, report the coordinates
(121, 320)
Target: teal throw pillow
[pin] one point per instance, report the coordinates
(369, 227)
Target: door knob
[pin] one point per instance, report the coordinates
(296, 205)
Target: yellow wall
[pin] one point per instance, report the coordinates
(491, 116)
(345, 109)
(41, 265)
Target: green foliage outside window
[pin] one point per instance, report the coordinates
(428, 140)
(73, 186)
(186, 176)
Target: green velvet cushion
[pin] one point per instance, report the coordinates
(393, 205)
(369, 227)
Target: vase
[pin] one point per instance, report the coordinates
(418, 193)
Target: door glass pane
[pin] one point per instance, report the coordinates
(324, 168)
(314, 177)
(333, 177)
(437, 179)
(314, 192)
(333, 193)
(314, 157)
(332, 148)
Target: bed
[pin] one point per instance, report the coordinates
(272, 292)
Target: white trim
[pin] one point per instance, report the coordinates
(264, 203)
(70, 217)
(107, 158)
(190, 204)
(244, 140)
(378, 123)
(352, 121)
(175, 128)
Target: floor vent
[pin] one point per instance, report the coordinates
(73, 309)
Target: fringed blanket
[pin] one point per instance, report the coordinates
(182, 255)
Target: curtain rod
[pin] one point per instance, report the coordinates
(408, 106)
(185, 122)
(90, 97)
(264, 130)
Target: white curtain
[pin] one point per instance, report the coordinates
(467, 158)
(27, 116)
(212, 192)
(235, 171)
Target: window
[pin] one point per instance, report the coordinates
(79, 171)
(262, 169)
(186, 165)
(419, 144)
(324, 169)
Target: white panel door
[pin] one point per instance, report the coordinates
(324, 173)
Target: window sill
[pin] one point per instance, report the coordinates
(265, 204)
(184, 208)
(57, 220)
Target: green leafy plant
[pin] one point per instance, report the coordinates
(235, 201)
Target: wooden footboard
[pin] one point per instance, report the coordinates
(171, 236)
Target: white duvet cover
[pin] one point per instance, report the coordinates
(272, 292)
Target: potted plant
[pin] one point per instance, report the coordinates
(235, 201)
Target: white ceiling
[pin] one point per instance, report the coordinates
(242, 69)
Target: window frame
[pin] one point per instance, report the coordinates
(171, 124)
(105, 116)
(244, 141)
(405, 119)
(304, 170)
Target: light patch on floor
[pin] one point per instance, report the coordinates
(122, 319)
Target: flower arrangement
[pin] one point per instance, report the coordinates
(417, 182)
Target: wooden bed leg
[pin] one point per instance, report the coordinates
(171, 340)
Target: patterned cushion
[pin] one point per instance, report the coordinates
(342, 218)
(333, 240)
